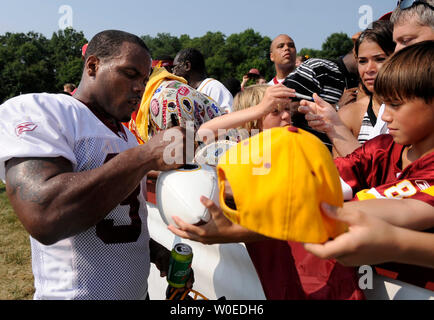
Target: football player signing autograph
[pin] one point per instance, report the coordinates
(74, 177)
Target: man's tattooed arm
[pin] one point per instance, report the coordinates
(25, 177)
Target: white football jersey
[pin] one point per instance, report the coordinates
(107, 261)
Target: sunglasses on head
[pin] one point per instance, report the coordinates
(405, 4)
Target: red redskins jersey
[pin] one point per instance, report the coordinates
(374, 172)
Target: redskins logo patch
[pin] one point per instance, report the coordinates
(186, 105)
(155, 107)
(171, 106)
(23, 127)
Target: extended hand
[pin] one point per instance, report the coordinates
(168, 147)
(369, 240)
(276, 97)
(320, 115)
(217, 230)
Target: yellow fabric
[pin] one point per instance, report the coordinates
(365, 195)
(278, 179)
(159, 74)
(429, 191)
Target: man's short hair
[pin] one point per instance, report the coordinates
(424, 14)
(272, 41)
(401, 81)
(106, 44)
(194, 56)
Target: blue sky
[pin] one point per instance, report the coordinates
(309, 22)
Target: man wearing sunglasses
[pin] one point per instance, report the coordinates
(413, 21)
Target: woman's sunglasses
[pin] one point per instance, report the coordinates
(405, 4)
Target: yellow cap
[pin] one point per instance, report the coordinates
(279, 178)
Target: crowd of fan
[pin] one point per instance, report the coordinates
(373, 108)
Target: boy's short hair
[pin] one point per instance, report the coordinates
(408, 74)
(424, 14)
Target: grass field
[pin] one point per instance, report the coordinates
(16, 278)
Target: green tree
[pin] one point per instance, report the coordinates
(65, 53)
(162, 46)
(25, 64)
(208, 44)
(336, 45)
(312, 53)
(247, 50)
(232, 56)
(31, 63)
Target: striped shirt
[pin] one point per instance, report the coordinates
(365, 129)
(318, 76)
(368, 124)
